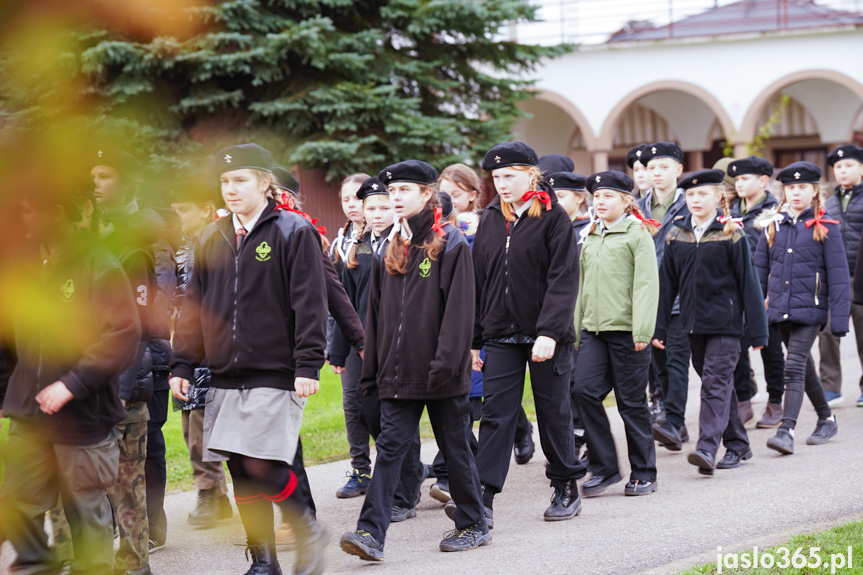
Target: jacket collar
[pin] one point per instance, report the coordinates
(837, 191)
(769, 203)
(788, 218)
(686, 223)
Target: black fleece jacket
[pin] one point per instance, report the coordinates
(258, 316)
(526, 275)
(716, 280)
(85, 336)
(419, 323)
(356, 283)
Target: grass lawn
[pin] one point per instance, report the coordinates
(824, 552)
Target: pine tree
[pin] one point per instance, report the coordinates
(340, 85)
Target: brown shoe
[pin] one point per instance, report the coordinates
(746, 413)
(772, 416)
(285, 536)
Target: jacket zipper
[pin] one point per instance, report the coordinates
(596, 284)
(399, 334)
(506, 279)
(697, 245)
(236, 292)
(817, 286)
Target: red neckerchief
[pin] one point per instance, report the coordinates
(437, 226)
(287, 207)
(543, 197)
(819, 222)
(645, 221)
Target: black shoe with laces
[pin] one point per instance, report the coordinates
(263, 556)
(358, 484)
(565, 502)
(402, 514)
(640, 487)
(466, 539)
(362, 544)
(732, 459)
(450, 508)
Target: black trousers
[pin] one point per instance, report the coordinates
(774, 367)
(608, 361)
(800, 373)
(503, 386)
(155, 469)
(439, 463)
(412, 471)
(399, 421)
(671, 366)
(714, 358)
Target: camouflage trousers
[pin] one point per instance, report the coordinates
(129, 496)
(37, 472)
(62, 539)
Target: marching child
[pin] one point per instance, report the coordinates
(708, 264)
(418, 328)
(255, 308)
(753, 201)
(615, 316)
(846, 206)
(804, 272)
(526, 263)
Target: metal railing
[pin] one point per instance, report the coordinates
(600, 21)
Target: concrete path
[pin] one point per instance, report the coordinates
(769, 498)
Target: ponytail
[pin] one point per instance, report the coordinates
(652, 226)
(730, 226)
(771, 227)
(819, 233)
(351, 261)
(344, 231)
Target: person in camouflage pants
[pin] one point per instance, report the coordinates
(128, 496)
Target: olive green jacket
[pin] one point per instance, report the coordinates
(618, 288)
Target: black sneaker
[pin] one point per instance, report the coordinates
(565, 502)
(156, 545)
(450, 507)
(363, 545)
(440, 490)
(639, 487)
(465, 539)
(402, 514)
(824, 430)
(358, 484)
(783, 441)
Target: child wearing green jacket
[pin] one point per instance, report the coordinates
(615, 316)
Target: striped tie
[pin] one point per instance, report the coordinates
(241, 233)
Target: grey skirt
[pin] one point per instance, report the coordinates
(263, 423)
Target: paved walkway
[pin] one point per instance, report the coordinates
(769, 498)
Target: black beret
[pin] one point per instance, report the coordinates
(661, 150)
(193, 190)
(611, 180)
(414, 171)
(566, 181)
(700, 178)
(117, 158)
(509, 154)
(800, 173)
(244, 156)
(750, 165)
(635, 155)
(445, 204)
(847, 152)
(555, 163)
(371, 187)
(286, 180)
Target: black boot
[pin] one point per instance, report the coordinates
(211, 507)
(565, 502)
(264, 560)
(312, 539)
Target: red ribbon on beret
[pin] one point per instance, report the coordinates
(437, 226)
(543, 197)
(819, 222)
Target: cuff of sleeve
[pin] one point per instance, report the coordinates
(308, 372)
(641, 338)
(550, 334)
(759, 341)
(337, 360)
(184, 372)
(658, 334)
(74, 384)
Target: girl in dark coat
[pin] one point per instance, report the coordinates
(418, 333)
(804, 272)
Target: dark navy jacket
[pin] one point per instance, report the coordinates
(850, 220)
(677, 211)
(803, 278)
(716, 280)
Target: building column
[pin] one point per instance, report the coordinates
(696, 160)
(600, 160)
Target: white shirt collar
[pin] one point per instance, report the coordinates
(251, 223)
(612, 224)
